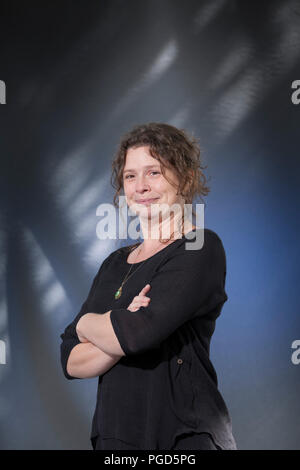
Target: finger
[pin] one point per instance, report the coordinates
(138, 300)
(143, 302)
(141, 305)
(142, 299)
(132, 309)
(145, 289)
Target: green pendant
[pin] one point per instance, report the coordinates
(118, 293)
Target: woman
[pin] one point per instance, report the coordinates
(146, 325)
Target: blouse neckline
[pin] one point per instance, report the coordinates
(163, 249)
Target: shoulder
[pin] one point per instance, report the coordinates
(212, 239)
(204, 248)
(203, 240)
(121, 251)
(124, 249)
(108, 259)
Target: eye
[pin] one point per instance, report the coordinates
(129, 175)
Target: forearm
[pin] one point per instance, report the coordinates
(98, 330)
(86, 361)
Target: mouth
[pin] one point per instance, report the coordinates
(147, 201)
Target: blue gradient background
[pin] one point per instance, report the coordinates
(79, 75)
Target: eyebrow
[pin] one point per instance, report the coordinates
(147, 166)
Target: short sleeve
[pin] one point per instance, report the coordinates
(69, 336)
(190, 283)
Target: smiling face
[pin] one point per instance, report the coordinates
(143, 180)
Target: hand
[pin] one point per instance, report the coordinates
(81, 338)
(140, 300)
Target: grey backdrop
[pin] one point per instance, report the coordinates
(78, 75)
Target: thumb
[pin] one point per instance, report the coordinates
(145, 289)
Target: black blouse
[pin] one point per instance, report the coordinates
(165, 385)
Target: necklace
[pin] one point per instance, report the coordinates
(119, 291)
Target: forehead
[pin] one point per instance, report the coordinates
(138, 158)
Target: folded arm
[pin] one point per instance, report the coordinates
(189, 284)
(97, 329)
(87, 361)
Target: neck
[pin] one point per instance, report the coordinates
(157, 233)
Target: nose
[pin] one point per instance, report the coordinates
(141, 185)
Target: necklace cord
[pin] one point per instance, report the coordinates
(128, 275)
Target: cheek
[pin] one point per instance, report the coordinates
(172, 196)
(127, 189)
(160, 186)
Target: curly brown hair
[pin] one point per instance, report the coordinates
(173, 148)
